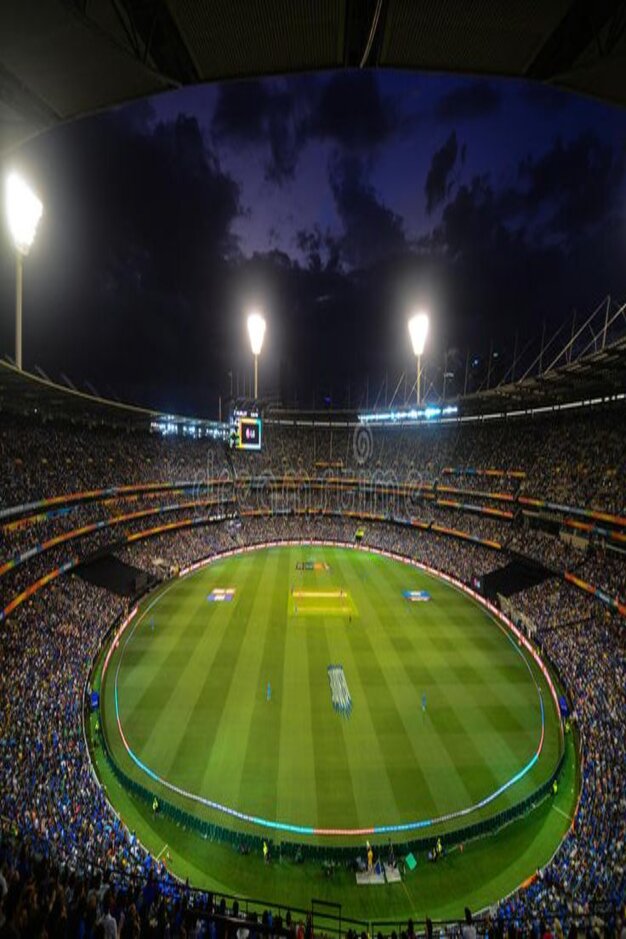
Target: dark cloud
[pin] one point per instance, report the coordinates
(322, 250)
(496, 275)
(469, 101)
(241, 110)
(348, 111)
(371, 230)
(557, 198)
(352, 113)
(540, 245)
(574, 184)
(441, 166)
(473, 221)
(261, 112)
(545, 97)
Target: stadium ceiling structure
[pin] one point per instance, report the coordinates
(599, 376)
(23, 393)
(62, 59)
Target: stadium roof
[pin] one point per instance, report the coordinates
(593, 377)
(25, 394)
(60, 59)
(600, 375)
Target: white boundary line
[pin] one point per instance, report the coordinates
(496, 615)
(197, 565)
(561, 812)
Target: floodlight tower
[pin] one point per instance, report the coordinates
(256, 332)
(418, 331)
(24, 211)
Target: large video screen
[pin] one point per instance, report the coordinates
(249, 433)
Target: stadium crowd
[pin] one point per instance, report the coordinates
(48, 791)
(590, 866)
(41, 460)
(575, 459)
(444, 554)
(552, 552)
(68, 866)
(553, 603)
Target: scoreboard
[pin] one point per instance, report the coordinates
(246, 430)
(249, 433)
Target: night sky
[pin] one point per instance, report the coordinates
(337, 203)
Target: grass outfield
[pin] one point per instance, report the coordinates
(487, 870)
(192, 678)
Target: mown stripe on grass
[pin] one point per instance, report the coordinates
(501, 726)
(502, 750)
(449, 703)
(375, 794)
(414, 679)
(334, 777)
(297, 800)
(258, 782)
(246, 687)
(152, 666)
(341, 765)
(191, 746)
(407, 780)
(407, 652)
(223, 763)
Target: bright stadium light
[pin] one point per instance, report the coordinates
(24, 211)
(418, 331)
(256, 332)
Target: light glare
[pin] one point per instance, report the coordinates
(418, 330)
(256, 332)
(24, 211)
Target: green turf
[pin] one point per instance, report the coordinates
(487, 870)
(192, 695)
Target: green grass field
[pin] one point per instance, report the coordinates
(191, 678)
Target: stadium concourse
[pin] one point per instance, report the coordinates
(464, 499)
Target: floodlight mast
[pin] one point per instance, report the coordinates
(24, 211)
(418, 331)
(256, 332)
